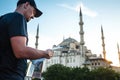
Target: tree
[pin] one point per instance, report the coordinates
(57, 72)
(104, 74)
(60, 72)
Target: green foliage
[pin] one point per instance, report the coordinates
(36, 79)
(60, 72)
(104, 74)
(57, 72)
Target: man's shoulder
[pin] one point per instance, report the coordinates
(13, 15)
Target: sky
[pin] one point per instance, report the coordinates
(60, 19)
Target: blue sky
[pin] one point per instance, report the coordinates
(61, 17)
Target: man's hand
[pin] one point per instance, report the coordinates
(50, 53)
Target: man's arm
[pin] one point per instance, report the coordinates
(20, 49)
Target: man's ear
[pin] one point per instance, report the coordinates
(26, 5)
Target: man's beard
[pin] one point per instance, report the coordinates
(27, 20)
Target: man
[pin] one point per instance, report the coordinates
(14, 51)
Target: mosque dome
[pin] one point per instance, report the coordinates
(67, 41)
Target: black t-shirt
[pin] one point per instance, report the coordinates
(11, 68)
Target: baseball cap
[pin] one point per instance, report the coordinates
(32, 3)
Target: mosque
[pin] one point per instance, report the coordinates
(73, 53)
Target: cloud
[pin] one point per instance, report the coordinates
(85, 10)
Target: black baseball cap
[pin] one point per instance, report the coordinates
(32, 3)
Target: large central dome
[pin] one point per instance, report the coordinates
(67, 41)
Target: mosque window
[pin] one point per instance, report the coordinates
(95, 63)
(98, 63)
(92, 63)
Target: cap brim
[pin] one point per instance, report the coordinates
(38, 13)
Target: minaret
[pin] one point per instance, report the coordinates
(31, 66)
(103, 43)
(37, 36)
(40, 66)
(81, 33)
(118, 52)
